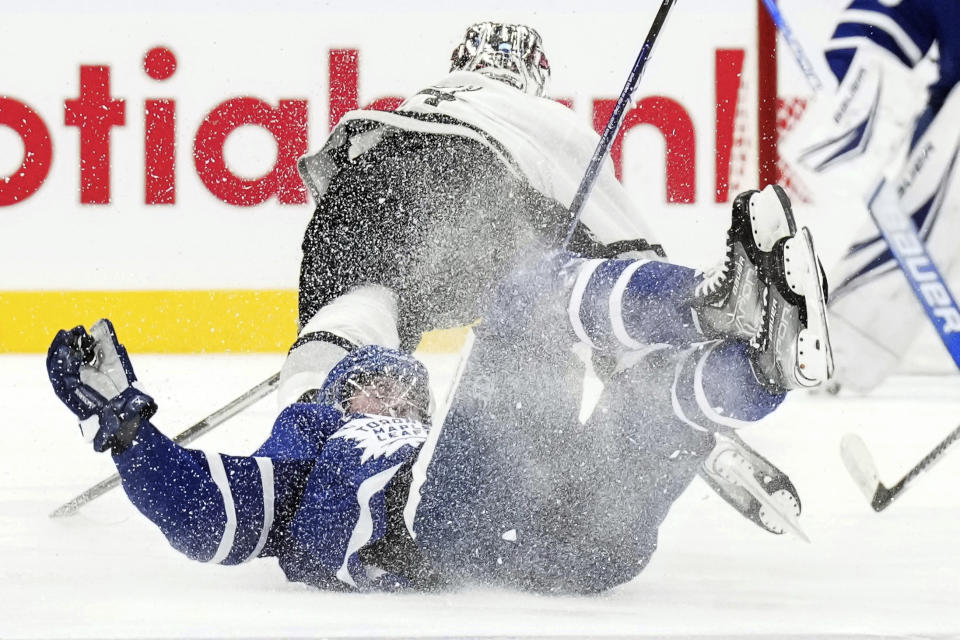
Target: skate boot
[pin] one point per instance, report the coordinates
(752, 485)
(793, 348)
(730, 298)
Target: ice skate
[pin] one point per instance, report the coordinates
(793, 349)
(752, 485)
(731, 297)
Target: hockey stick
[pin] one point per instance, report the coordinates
(798, 54)
(928, 285)
(190, 434)
(418, 472)
(616, 119)
(860, 464)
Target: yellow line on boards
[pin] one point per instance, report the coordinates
(155, 321)
(208, 321)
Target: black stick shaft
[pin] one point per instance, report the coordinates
(616, 119)
(891, 493)
(187, 436)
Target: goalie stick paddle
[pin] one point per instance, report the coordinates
(190, 434)
(859, 462)
(616, 119)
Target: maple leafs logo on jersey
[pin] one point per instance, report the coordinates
(380, 436)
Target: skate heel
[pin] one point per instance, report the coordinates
(814, 360)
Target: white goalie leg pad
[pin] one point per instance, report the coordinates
(847, 137)
(364, 315)
(929, 178)
(872, 301)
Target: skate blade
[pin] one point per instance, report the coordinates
(814, 351)
(774, 511)
(757, 505)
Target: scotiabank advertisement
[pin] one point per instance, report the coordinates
(147, 158)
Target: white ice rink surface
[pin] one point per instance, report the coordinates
(108, 572)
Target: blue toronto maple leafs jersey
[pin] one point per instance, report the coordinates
(907, 29)
(512, 489)
(313, 495)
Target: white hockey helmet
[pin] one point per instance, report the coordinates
(511, 53)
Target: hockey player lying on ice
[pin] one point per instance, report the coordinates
(355, 488)
(441, 213)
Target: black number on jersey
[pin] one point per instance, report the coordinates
(447, 94)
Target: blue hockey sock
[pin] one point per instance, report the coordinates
(715, 385)
(729, 383)
(619, 304)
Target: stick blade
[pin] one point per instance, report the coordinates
(860, 465)
(65, 510)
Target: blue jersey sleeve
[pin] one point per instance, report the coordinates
(617, 304)
(608, 304)
(219, 508)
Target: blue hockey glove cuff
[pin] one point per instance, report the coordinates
(120, 419)
(92, 375)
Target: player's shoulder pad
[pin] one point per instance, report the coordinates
(300, 430)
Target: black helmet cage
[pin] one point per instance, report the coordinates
(511, 53)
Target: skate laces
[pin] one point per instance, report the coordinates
(712, 280)
(715, 277)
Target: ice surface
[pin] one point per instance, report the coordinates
(108, 572)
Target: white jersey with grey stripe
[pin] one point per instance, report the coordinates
(540, 138)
